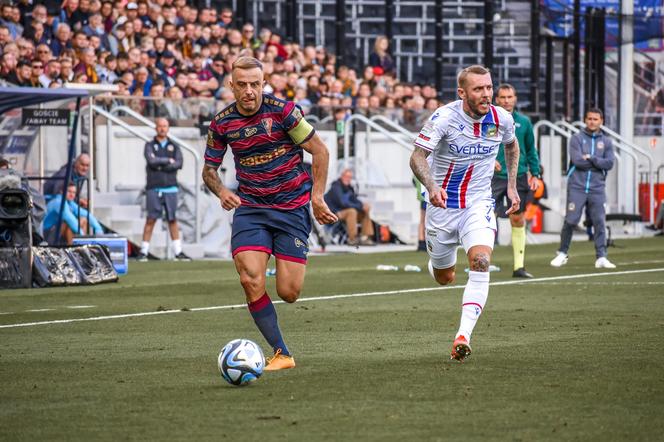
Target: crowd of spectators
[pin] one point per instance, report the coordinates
(168, 50)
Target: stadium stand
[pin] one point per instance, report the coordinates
(171, 58)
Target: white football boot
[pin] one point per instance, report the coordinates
(560, 260)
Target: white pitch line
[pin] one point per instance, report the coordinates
(37, 310)
(334, 297)
(74, 307)
(626, 283)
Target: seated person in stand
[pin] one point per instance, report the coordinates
(74, 219)
(79, 173)
(342, 200)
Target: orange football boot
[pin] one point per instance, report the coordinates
(279, 362)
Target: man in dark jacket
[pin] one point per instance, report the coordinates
(591, 157)
(79, 174)
(341, 199)
(164, 159)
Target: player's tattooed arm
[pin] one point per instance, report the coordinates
(421, 169)
(512, 162)
(319, 165)
(512, 159)
(229, 200)
(420, 166)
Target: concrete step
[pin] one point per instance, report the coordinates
(109, 199)
(127, 228)
(382, 206)
(119, 212)
(404, 217)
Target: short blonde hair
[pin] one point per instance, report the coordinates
(474, 69)
(247, 63)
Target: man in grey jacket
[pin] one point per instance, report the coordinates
(164, 159)
(591, 157)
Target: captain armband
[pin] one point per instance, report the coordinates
(301, 132)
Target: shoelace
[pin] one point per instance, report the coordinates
(276, 355)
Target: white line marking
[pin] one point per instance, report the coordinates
(652, 261)
(334, 297)
(40, 310)
(80, 306)
(635, 283)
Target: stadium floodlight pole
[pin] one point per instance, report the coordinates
(340, 32)
(439, 47)
(291, 19)
(550, 102)
(389, 18)
(241, 13)
(600, 56)
(626, 94)
(588, 83)
(566, 77)
(577, 60)
(488, 34)
(535, 55)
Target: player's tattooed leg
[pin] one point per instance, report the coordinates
(480, 262)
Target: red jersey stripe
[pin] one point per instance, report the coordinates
(448, 175)
(259, 140)
(233, 124)
(298, 201)
(464, 186)
(494, 112)
(282, 187)
(266, 176)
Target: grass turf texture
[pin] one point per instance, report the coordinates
(571, 359)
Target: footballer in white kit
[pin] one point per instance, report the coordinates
(464, 166)
(457, 174)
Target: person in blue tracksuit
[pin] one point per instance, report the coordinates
(591, 157)
(74, 219)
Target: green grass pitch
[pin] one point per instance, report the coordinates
(556, 358)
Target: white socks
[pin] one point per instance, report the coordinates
(177, 246)
(474, 298)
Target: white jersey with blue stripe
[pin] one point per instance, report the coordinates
(464, 165)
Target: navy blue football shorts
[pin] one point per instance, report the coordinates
(282, 233)
(159, 202)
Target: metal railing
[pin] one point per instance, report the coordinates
(131, 129)
(373, 125)
(392, 125)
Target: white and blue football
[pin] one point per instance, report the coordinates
(241, 362)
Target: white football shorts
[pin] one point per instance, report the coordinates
(446, 229)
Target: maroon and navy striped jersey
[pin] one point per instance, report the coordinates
(267, 152)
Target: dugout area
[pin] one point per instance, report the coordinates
(22, 263)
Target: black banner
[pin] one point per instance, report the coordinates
(45, 117)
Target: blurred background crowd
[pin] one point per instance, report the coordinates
(163, 53)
